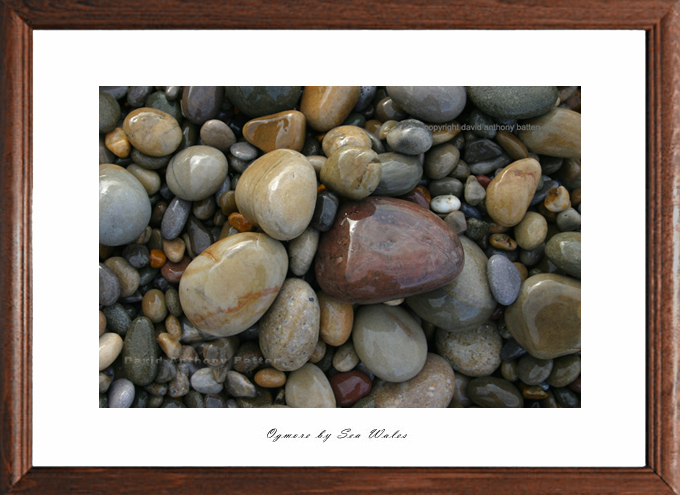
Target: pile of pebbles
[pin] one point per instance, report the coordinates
(339, 246)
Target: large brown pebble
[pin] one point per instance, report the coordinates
(336, 320)
(283, 130)
(289, 330)
(327, 106)
(230, 285)
(277, 192)
(510, 192)
(352, 171)
(557, 133)
(546, 317)
(382, 249)
(432, 387)
(153, 132)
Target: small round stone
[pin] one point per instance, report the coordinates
(336, 320)
(196, 172)
(441, 160)
(270, 378)
(345, 358)
(309, 387)
(350, 387)
(410, 137)
(445, 204)
(513, 102)
(217, 134)
(557, 199)
(504, 279)
(531, 231)
(476, 352)
(568, 220)
(121, 393)
(203, 381)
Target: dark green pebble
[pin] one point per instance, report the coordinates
(109, 112)
(565, 370)
(136, 95)
(159, 101)
(512, 350)
(172, 302)
(566, 397)
(117, 319)
(140, 352)
(533, 371)
(257, 101)
(194, 400)
(491, 391)
(146, 275)
(476, 229)
(355, 119)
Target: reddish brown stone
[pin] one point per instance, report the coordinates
(349, 387)
(172, 272)
(483, 180)
(382, 249)
(419, 195)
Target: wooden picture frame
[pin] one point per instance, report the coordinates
(660, 19)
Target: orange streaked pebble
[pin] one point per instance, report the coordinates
(239, 222)
(117, 143)
(157, 258)
(502, 241)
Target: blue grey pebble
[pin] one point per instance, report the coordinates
(204, 382)
(243, 151)
(226, 186)
(109, 286)
(121, 393)
(410, 137)
(504, 279)
(366, 95)
(175, 218)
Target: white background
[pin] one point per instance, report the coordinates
(68, 427)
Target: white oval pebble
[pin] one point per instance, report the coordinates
(446, 203)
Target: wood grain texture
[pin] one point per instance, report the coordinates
(659, 18)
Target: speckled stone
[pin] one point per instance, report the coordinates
(124, 207)
(277, 192)
(255, 265)
(301, 251)
(326, 107)
(389, 342)
(201, 103)
(436, 104)
(510, 192)
(557, 133)
(513, 102)
(475, 352)
(197, 172)
(352, 171)
(464, 303)
(117, 319)
(256, 101)
(109, 286)
(309, 387)
(410, 137)
(400, 173)
(491, 391)
(504, 279)
(109, 113)
(546, 318)
(140, 352)
(289, 329)
(398, 249)
(283, 130)
(152, 131)
(564, 250)
(336, 320)
(432, 387)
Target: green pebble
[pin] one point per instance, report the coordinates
(172, 302)
(140, 352)
(565, 370)
(117, 319)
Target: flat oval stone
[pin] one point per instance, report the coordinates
(197, 172)
(309, 387)
(175, 218)
(110, 345)
(152, 131)
(546, 318)
(277, 192)
(564, 250)
(432, 387)
(504, 279)
(336, 320)
(140, 352)
(465, 302)
(283, 130)
(476, 352)
(510, 192)
(121, 393)
(389, 342)
(383, 249)
(533, 371)
(410, 137)
(201, 103)
(124, 206)
(231, 284)
(436, 104)
(349, 387)
(352, 171)
(400, 173)
(513, 102)
(490, 391)
(531, 231)
(109, 113)
(109, 286)
(217, 134)
(327, 107)
(301, 251)
(289, 329)
(557, 133)
(256, 101)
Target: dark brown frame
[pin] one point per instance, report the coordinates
(660, 19)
